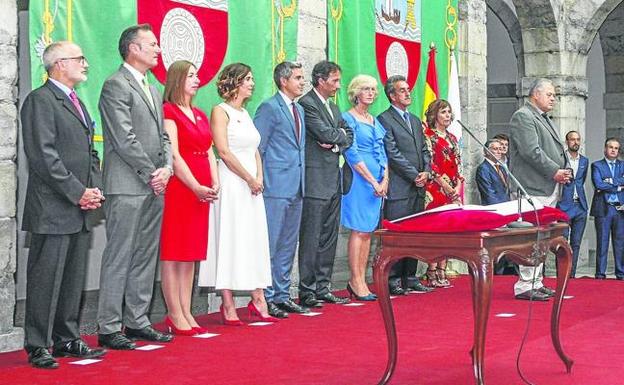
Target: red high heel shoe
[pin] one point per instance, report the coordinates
(180, 332)
(200, 330)
(254, 312)
(235, 322)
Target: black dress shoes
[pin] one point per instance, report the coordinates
(330, 298)
(290, 306)
(41, 358)
(419, 287)
(115, 341)
(546, 290)
(148, 333)
(397, 290)
(310, 300)
(535, 295)
(76, 348)
(275, 311)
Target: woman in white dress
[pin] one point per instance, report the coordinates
(238, 251)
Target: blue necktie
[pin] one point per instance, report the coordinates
(407, 120)
(612, 198)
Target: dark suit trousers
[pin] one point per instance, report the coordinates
(404, 269)
(611, 225)
(55, 279)
(317, 243)
(578, 220)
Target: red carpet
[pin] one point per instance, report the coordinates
(346, 345)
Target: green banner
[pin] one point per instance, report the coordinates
(261, 33)
(384, 37)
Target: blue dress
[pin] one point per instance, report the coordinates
(360, 206)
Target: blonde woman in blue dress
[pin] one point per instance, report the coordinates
(367, 160)
(238, 244)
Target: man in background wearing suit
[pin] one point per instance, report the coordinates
(137, 167)
(538, 162)
(492, 181)
(607, 208)
(573, 201)
(409, 160)
(327, 134)
(504, 142)
(280, 121)
(64, 175)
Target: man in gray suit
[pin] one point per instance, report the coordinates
(327, 134)
(62, 194)
(410, 167)
(538, 161)
(137, 167)
(280, 121)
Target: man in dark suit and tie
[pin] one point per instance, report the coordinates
(492, 181)
(409, 160)
(281, 123)
(607, 208)
(573, 200)
(62, 194)
(538, 161)
(327, 135)
(137, 167)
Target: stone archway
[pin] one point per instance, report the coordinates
(507, 16)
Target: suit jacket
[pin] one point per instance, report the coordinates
(283, 157)
(322, 171)
(567, 193)
(62, 163)
(600, 172)
(408, 154)
(491, 187)
(536, 152)
(135, 143)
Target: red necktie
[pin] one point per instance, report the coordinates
(501, 174)
(297, 122)
(74, 99)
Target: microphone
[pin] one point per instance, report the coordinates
(521, 190)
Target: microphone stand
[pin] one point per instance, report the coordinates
(519, 223)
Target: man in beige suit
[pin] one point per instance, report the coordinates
(137, 167)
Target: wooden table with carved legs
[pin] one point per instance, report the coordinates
(480, 250)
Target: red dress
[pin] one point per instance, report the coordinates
(445, 162)
(184, 234)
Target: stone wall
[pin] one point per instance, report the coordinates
(10, 337)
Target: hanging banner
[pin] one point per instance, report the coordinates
(209, 33)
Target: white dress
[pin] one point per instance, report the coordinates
(238, 238)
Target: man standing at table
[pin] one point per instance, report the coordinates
(608, 208)
(538, 162)
(409, 160)
(327, 134)
(63, 190)
(137, 167)
(280, 121)
(573, 201)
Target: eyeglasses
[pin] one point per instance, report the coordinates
(81, 59)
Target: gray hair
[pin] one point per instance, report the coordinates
(128, 36)
(284, 70)
(389, 86)
(53, 52)
(322, 70)
(356, 86)
(538, 85)
(489, 143)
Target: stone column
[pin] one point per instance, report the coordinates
(11, 338)
(613, 50)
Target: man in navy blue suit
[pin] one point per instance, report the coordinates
(573, 201)
(607, 208)
(492, 179)
(280, 121)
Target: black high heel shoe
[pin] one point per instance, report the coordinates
(368, 297)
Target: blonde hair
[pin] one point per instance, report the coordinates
(357, 84)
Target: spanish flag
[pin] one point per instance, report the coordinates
(431, 83)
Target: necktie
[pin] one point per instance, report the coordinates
(148, 93)
(406, 117)
(501, 174)
(327, 106)
(74, 99)
(297, 122)
(612, 198)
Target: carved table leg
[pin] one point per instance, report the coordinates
(481, 274)
(381, 270)
(564, 266)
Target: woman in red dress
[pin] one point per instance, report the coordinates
(184, 236)
(446, 182)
